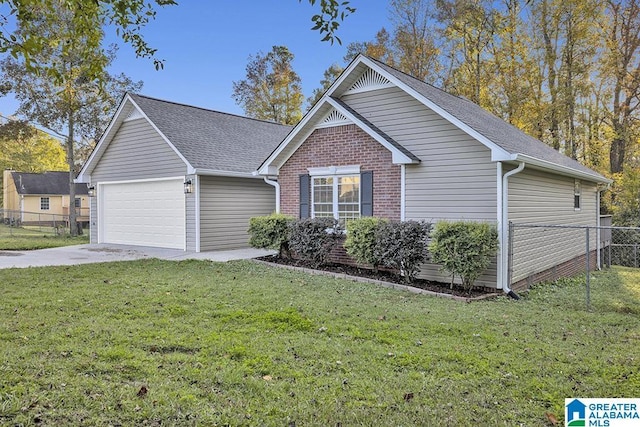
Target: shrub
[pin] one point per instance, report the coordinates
(270, 232)
(313, 238)
(362, 242)
(464, 248)
(402, 245)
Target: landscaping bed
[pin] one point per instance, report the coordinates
(380, 275)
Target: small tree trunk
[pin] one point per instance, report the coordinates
(73, 226)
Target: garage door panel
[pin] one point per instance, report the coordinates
(144, 213)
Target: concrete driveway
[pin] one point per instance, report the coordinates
(93, 253)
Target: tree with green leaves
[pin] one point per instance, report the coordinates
(329, 76)
(271, 90)
(27, 149)
(58, 88)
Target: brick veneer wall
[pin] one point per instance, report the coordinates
(342, 146)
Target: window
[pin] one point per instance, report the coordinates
(336, 197)
(44, 203)
(78, 203)
(577, 193)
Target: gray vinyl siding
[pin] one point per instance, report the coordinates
(137, 151)
(93, 223)
(190, 205)
(456, 178)
(537, 197)
(226, 204)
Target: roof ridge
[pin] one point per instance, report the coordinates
(463, 98)
(205, 109)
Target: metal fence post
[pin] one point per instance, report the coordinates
(588, 271)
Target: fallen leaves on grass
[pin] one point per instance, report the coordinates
(142, 392)
(552, 418)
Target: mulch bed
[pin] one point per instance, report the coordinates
(382, 275)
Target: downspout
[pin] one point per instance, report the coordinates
(276, 185)
(504, 230)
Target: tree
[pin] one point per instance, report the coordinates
(414, 40)
(129, 17)
(271, 90)
(470, 28)
(621, 69)
(26, 149)
(329, 76)
(58, 87)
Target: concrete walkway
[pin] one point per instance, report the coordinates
(93, 253)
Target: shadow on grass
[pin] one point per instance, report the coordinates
(616, 289)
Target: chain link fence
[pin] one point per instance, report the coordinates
(543, 252)
(24, 223)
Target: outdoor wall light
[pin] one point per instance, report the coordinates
(92, 191)
(188, 186)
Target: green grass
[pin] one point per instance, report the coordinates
(197, 343)
(26, 238)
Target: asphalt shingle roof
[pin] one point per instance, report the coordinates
(53, 183)
(213, 140)
(501, 133)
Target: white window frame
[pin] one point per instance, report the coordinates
(577, 195)
(334, 172)
(42, 203)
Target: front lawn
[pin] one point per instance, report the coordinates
(197, 343)
(25, 238)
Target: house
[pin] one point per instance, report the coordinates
(171, 175)
(576, 410)
(42, 198)
(410, 151)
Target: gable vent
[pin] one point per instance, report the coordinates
(370, 80)
(334, 118)
(133, 115)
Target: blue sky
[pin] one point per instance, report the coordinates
(206, 45)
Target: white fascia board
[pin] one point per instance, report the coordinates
(497, 153)
(231, 174)
(268, 168)
(562, 170)
(398, 157)
(85, 172)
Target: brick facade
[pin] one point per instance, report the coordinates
(342, 146)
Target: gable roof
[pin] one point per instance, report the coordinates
(208, 141)
(504, 135)
(506, 142)
(46, 183)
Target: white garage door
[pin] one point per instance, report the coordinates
(148, 213)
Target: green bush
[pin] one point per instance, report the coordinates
(312, 239)
(362, 242)
(270, 232)
(402, 245)
(464, 248)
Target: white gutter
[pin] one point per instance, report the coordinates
(231, 174)
(504, 229)
(276, 185)
(499, 196)
(198, 219)
(562, 170)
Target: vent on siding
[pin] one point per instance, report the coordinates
(370, 80)
(133, 115)
(334, 118)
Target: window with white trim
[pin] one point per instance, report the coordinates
(577, 194)
(44, 203)
(78, 202)
(335, 192)
(336, 196)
